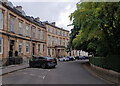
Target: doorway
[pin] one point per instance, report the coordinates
(33, 49)
(12, 46)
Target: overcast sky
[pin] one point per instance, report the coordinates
(49, 10)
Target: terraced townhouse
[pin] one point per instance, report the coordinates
(28, 35)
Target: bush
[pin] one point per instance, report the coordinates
(110, 62)
(10, 53)
(16, 53)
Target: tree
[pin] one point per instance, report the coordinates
(99, 27)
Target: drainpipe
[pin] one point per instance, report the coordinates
(31, 44)
(7, 30)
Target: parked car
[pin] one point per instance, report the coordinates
(82, 57)
(64, 59)
(77, 57)
(71, 58)
(42, 61)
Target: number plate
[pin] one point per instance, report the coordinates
(53, 61)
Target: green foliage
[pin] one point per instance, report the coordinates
(110, 62)
(96, 28)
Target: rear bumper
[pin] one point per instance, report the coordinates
(51, 64)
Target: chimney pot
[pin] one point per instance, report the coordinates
(19, 8)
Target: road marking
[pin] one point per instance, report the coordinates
(49, 70)
(32, 74)
(43, 77)
(24, 73)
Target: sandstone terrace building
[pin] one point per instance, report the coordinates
(29, 35)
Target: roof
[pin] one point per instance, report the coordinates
(56, 26)
(25, 17)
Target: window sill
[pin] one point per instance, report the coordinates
(12, 32)
(21, 34)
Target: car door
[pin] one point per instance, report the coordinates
(41, 60)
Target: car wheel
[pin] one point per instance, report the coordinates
(43, 66)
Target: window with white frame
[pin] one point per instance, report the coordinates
(20, 48)
(1, 19)
(1, 46)
(56, 41)
(53, 30)
(12, 24)
(63, 41)
(39, 48)
(27, 47)
(49, 40)
(61, 33)
(48, 28)
(52, 51)
(67, 42)
(56, 32)
(43, 48)
(52, 40)
(67, 34)
(43, 35)
(39, 34)
(27, 30)
(33, 32)
(20, 28)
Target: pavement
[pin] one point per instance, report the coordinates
(65, 73)
(13, 68)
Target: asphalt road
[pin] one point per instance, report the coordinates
(64, 73)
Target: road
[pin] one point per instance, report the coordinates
(64, 73)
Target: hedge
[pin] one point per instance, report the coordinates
(110, 62)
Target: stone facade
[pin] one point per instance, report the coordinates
(28, 35)
(57, 40)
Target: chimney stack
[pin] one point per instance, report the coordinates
(53, 23)
(37, 19)
(4, 1)
(19, 8)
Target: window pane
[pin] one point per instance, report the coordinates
(39, 34)
(1, 19)
(27, 47)
(12, 24)
(20, 28)
(48, 39)
(39, 48)
(27, 30)
(43, 35)
(52, 40)
(33, 32)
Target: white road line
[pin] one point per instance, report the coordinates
(24, 73)
(49, 70)
(32, 74)
(43, 77)
(40, 76)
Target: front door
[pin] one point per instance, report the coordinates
(12, 46)
(33, 49)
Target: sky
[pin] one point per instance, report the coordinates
(49, 10)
